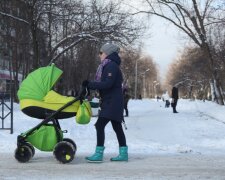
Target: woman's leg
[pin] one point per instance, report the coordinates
(117, 126)
(100, 130)
(123, 149)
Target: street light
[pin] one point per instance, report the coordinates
(144, 81)
(155, 83)
(136, 74)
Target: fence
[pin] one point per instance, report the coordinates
(6, 106)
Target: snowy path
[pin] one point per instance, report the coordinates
(157, 130)
(162, 145)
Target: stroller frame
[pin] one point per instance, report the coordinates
(62, 150)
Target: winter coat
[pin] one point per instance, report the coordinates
(175, 93)
(165, 96)
(126, 96)
(110, 89)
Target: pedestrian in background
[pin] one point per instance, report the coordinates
(166, 98)
(174, 98)
(126, 98)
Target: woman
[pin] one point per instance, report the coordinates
(108, 81)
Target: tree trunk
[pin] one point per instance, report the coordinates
(213, 97)
(218, 92)
(35, 46)
(214, 76)
(190, 92)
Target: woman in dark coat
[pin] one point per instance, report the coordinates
(108, 81)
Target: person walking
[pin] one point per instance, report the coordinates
(108, 81)
(174, 98)
(166, 98)
(126, 97)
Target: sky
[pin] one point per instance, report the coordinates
(164, 41)
(163, 44)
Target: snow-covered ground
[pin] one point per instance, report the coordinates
(195, 137)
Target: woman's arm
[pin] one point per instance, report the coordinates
(110, 72)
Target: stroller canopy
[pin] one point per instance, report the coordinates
(39, 82)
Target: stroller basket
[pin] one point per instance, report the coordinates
(45, 138)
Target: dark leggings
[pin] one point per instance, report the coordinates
(174, 105)
(117, 127)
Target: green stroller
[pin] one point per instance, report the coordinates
(39, 101)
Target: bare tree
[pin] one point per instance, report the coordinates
(192, 18)
(189, 73)
(147, 72)
(64, 31)
(217, 42)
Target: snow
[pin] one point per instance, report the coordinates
(153, 131)
(199, 127)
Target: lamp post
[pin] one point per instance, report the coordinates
(155, 83)
(144, 81)
(136, 74)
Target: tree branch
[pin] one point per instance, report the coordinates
(14, 17)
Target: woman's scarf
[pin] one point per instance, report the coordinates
(98, 74)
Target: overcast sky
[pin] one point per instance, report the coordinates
(164, 43)
(165, 40)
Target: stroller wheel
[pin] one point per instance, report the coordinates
(64, 152)
(31, 147)
(72, 142)
(23, 153)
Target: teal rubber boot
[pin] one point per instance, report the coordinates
(123, 154)
(97, 157)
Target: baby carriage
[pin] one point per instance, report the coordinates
(39, 101)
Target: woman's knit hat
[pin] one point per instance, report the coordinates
(109, 48)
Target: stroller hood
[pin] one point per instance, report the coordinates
(39, 82)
